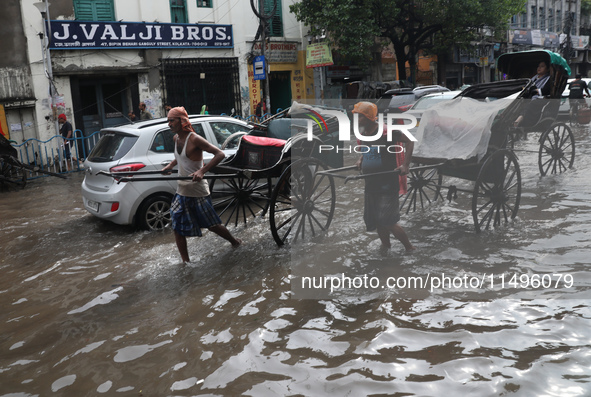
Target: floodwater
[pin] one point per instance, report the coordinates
(90, 308)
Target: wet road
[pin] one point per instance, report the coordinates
(90, 308)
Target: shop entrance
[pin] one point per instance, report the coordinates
(102, 104)
(280, 90)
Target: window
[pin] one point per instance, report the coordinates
(542, 15)
(94, 10)
(534, 18)
(550, 20)
(199, 130)
(178, 11)
(163, 142)
(223, 130)
(111, 147)
(276, 22)
(205, 3)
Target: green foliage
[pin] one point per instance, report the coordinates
(355, 26)
(348, 24)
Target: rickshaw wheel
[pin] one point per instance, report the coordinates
(557, 150)
(302, 203)
(236, 199)
(424, 186)
(497, 190)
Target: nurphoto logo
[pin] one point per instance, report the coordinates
(394, 122)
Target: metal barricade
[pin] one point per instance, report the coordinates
(50, 155)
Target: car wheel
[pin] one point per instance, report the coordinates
(154, 213)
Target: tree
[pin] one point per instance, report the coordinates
(352, 26)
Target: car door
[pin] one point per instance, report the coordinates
(161, 152)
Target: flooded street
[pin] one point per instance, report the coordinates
(91, 308)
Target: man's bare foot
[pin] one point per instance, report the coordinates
(237, 243)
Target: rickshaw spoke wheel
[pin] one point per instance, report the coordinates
(423, 187)
(497, 191)
(557, 150)
(302, 203)
(239, 198)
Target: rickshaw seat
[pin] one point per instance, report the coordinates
(257, 152)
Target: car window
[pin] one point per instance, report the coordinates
(427, 102)
(199, 130)
(223, 129)
(163, 142)
(401, 100)
(112, 147)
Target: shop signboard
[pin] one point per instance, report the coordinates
(318, 55)
(76, 35)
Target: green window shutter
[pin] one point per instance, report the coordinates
(94, 10)
(83, 10)
(105, 10)
(178, 11)
(276, 22)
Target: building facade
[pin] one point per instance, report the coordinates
(95, 60)
(546, 24)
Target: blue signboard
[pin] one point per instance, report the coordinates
(76, 35)
(258, 67)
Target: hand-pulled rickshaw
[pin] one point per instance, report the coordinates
(277, 170)
(495, 170)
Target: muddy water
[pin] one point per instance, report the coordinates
(89, 308)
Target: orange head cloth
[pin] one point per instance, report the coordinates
(181, 113)
(368, 109)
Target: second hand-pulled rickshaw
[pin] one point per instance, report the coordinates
(497, 190)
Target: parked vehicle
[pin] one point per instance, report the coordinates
(564, 110)
(424, 103)
(400, 100)
(146, 146)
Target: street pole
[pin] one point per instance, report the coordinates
(264, 18)
(43, 8)
(264, 54)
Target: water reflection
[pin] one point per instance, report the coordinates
(89, 307)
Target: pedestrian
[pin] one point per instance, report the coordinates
(381, 208)
(578, 87)
(144, 114)
(167, 108)
(67, 133)
(204, 110)
(259, 109)
(191, 208)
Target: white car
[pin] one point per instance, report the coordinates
(145, 146)
(424, 103)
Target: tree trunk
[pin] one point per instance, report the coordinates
(401, 59)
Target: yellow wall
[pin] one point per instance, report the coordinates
(3, 125)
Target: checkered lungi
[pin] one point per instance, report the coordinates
(191, 214)
(380, 209)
